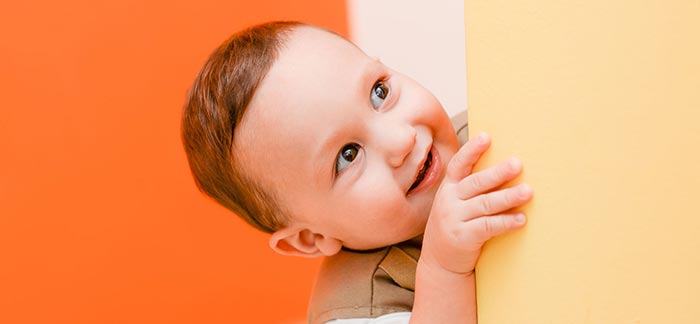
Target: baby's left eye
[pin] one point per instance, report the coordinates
(378, 94)
(346, 155)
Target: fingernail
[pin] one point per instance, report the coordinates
(525, 189)
(483, 137)
(520, 218)
(514, 163)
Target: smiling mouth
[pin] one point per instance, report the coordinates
(422, 171)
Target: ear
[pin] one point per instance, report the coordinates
(303, 242)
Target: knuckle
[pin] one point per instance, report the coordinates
(456, 161)
(503, 222)
(476, 183)
(458, 166)
(509, 198)
(462, 156)
(493, 226)
(499, 173)
(485, 204)
(488, 227)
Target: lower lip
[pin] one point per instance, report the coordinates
(432, 175)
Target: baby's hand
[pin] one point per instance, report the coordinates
(466, 212)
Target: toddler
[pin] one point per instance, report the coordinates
(334, 154)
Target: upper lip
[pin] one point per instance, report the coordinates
(419, 166)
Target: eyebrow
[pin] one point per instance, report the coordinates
(322, 154)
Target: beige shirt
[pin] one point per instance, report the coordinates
(357, 284)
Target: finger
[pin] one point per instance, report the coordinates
(484, 228)
(498, 201)
(493, 177)
(462, 162)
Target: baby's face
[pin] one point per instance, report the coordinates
(353, 149)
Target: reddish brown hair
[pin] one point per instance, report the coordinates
(214, 106)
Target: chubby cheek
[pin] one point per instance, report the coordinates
(386, 209)
(436, 118)
(445, 135)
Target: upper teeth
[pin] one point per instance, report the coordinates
(421, 172)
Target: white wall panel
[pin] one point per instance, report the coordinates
(422, 39)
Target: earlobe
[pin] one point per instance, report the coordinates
(303, 242)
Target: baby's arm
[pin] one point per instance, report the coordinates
(466, 213)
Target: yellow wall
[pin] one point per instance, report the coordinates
(601, 100)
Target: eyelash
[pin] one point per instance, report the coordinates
(357, 149)
(386, 91)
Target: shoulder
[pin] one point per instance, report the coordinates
(460, 122)
(364, 284)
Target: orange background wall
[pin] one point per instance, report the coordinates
(100, 221)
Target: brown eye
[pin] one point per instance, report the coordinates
(379, 92)
(346, 155)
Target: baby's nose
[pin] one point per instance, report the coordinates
(399, 143)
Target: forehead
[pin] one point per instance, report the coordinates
(301, 101)
(308, 44)
(316, 73)
(312, 54)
